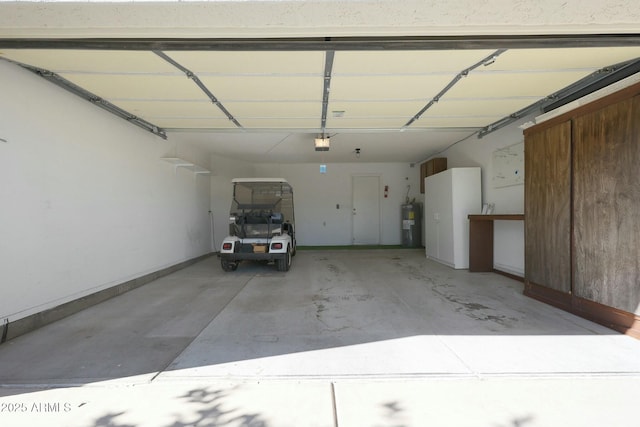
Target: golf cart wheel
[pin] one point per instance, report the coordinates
(229, 265)
(285, 263)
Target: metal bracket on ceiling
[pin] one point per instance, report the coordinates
(93, 98)
(192, 76)
(326, 88)
(464, 73)
(593, 82)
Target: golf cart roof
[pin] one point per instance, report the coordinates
(281, 180)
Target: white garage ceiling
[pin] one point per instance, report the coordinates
(191, 71)
(270, 103)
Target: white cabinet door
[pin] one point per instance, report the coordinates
(450, 196)
(438, 193)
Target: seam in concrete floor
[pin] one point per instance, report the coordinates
(203, 328)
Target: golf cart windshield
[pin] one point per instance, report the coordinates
(261, 207)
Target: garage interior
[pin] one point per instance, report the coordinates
(121, 127)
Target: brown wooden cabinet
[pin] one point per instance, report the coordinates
(431, 167)
(548, 207)
(582, 210)
(606, 214)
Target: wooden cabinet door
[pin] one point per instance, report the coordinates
(438, 164)
(606, 181)
(548, 207)
(431, 167)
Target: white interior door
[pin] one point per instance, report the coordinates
(366, 210)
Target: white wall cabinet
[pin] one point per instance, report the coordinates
(449, 197)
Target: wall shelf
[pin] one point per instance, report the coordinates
(177, 162)
(497, 217)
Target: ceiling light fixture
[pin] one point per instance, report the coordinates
(322, 144)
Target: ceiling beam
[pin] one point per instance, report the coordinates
(191, 75)
(92, 98)
(329, 43)
(462, 74)
(326, 88)
(583, 87)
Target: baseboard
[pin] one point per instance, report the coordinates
(506, 270)
(30, 323)
(351, 247)
(613, 318)
(618, 320)
(509, 275)
(547, 295)
(447, 263)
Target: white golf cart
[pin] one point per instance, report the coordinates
(262, 223)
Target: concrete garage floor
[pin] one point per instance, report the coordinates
(380, 338)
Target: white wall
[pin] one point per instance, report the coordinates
(509, 235)
(86, 202)
(223, 170)
(316, 195)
